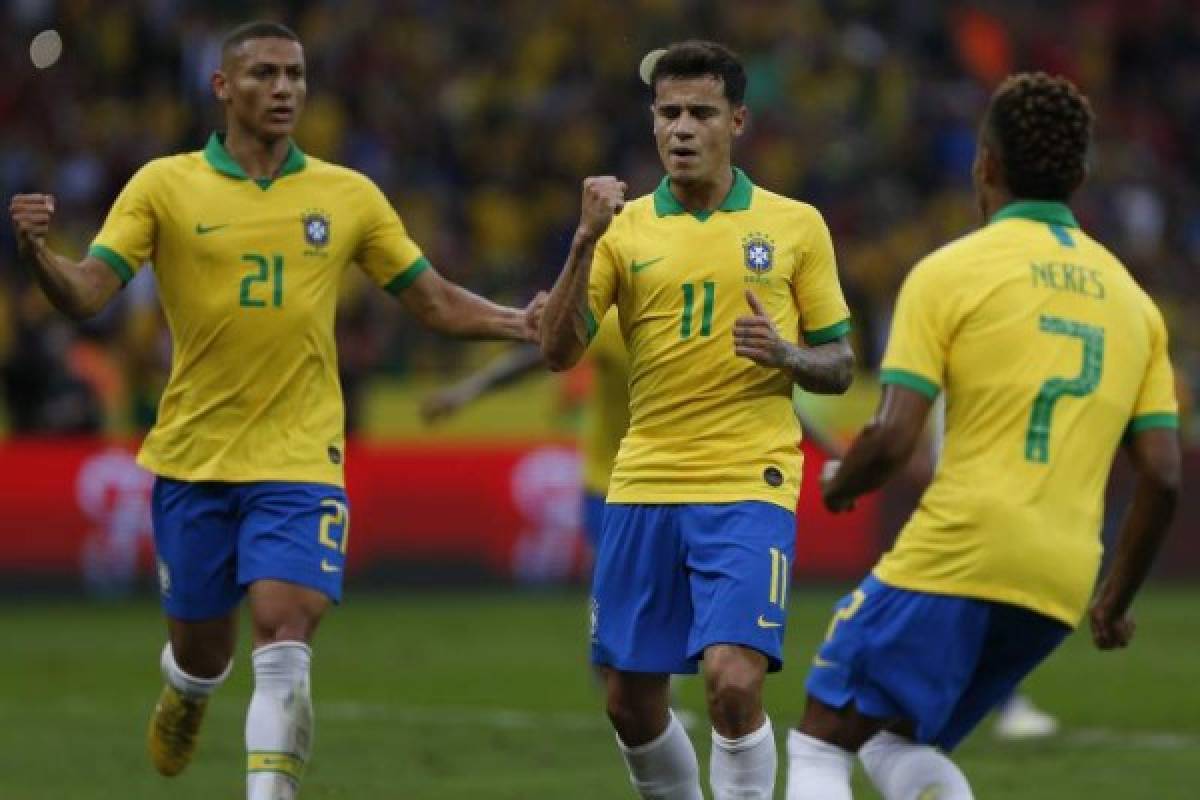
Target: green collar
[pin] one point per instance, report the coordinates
(219, 159)
(738, 199)
(1039, 211)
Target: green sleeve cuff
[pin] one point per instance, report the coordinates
(592, 325)
(406, 278)
(824, 335)
(113, 259)
(1148, 421)
(910, 380)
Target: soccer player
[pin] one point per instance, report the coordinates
(1049, 356)
(715, 279)
(249, 239)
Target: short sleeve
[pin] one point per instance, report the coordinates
(1156, 405)
(602, 282)
(385, 251)
(920, 340)
(126, 240)
(824, 315)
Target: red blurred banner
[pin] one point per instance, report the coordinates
(82, 508)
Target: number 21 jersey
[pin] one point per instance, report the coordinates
(248, 273)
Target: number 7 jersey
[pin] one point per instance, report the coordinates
(248, 274)
(1048, 353)
(707, 426)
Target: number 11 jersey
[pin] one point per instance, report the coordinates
(708, 426)
(1048, 353)
(248, 273)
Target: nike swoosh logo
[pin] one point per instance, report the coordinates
(638, 266)
(820, 662)
(327, 567)
(203, 229)
(763, 622)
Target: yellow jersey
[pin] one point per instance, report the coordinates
(248, 274)
(606, 413)
(1048, 352)
(707, 426)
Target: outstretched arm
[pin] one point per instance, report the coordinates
(883, 447)
(79, 290)
(565, 327)
(450, 309)
(513, 365)
(1156, 458)
(824, 369)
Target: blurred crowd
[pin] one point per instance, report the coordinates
(479, 118)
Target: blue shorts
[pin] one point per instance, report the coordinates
(939, 661)
(214, 539)
(593, 519)
(672, 580)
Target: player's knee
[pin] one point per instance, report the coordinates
(285, 613)
(734, 689)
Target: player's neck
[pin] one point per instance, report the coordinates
(259, 158)
(992, 200)
(704, 195)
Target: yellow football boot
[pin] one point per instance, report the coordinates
(174, 728)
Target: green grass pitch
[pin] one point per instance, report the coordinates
(465, 695)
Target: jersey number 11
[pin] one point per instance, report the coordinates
(689, 302)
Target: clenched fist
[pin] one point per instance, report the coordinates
(603, 198)
(31, 214)
(533, 317)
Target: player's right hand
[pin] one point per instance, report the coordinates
(603, 198)
(31, 214)
(1110, 630)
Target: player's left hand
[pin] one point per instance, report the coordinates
(755, 336)
(1110, 630)
(833, 502)
(533, 317)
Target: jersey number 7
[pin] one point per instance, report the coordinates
(1037, 436)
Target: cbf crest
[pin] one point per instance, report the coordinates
(759, 251)
(316, 228)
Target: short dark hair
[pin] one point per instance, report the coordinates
(1042, 127)
(259, 29)
(695, 59)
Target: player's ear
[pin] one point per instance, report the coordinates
(739, 116)
(220, 85)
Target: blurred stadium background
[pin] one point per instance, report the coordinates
(479, 119)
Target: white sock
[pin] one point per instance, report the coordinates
(744, 768)
(817, 770)
(904, 770)
(279, 724)
(188, 684)
(666, 768)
